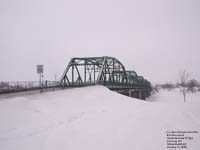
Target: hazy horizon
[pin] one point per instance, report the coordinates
(155, 38)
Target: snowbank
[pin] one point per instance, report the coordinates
(94, 118)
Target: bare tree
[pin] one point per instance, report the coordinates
(183, 76)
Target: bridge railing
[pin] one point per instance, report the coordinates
(6, 87)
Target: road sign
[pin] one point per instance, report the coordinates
(40, 69)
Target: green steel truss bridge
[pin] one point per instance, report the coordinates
(107, 71)
(80, 72)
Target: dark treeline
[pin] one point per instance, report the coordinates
(191, 86)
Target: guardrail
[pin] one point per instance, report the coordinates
(7, 87)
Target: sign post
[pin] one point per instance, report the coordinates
(40, 70)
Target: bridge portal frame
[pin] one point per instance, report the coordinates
(95, 70)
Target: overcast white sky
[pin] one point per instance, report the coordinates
(156, 38)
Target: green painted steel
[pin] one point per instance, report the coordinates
(104, 70)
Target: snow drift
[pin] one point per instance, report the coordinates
(95, 118)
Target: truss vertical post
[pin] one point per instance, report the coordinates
(65, 80)
(85, 72)
(94, 73)
(113, 71)
(72, 75)
(105, 65)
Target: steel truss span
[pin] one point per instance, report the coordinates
(105, 70)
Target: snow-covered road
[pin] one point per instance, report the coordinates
(95, 118)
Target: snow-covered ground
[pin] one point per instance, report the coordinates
(95, 118)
